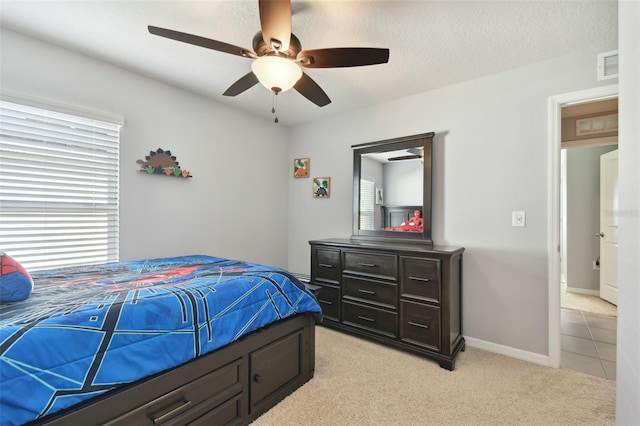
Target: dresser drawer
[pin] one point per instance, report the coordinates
(370, 291)
(326, 265)
(420, 324)
(228, 413)
(373, 319)
(329, 300)
(376, 265)
(420, 278)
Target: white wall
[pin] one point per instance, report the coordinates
(628, 357)
(235, 204)
(490, 157)
(403, 183)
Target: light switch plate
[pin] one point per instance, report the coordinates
(518, 218)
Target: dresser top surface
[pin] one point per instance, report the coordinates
(387, 246)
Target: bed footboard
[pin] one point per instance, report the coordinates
(233, 385)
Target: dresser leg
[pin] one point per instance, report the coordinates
(448, 365)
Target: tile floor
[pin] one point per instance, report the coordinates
(588, 343)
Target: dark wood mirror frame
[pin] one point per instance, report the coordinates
(424, 140)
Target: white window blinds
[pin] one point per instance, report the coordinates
(58, 187)
(367, 204)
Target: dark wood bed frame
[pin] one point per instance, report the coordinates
(231, 386)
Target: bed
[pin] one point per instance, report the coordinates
(192, 339)
(394, 216)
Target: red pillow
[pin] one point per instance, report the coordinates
(15, 282)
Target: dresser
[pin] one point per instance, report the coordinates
(402, 295)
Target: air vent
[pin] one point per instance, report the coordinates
(608, 65)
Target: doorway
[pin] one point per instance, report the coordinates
(588, 190)
(556, 104)
(588, 322)
(582, 260)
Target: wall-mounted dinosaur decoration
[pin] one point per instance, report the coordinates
(162, 162)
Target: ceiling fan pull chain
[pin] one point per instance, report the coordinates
(275, 103)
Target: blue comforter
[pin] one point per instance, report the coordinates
(86, 330)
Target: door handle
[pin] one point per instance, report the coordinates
(600, 234)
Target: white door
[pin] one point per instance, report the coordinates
(609, 227)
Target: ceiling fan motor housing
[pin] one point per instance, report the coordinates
(263, 49)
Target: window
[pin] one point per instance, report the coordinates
(367, 203)
(59, 185)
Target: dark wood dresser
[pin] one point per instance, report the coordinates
(404, 295)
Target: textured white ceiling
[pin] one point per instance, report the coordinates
(432, 43)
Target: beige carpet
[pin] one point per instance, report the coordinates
(586, 303)
(362, 383)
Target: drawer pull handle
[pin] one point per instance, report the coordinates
(368, 265)
(366, 291)
(366, 319)
(326, 302)
(426, 280)
(326, 265)
(171, 411)
(257, 378)
(417, 324)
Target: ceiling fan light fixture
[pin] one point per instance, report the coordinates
(276, 73)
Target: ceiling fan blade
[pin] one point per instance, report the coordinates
(404, 157)
(310, 90)
(275, 20)
(246, 82)
(343, 57)
(202, 42)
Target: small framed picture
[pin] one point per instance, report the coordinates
(379, 196)
(321, 187)
(301, 167)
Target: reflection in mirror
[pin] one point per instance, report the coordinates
(392, 189)
(389, 181)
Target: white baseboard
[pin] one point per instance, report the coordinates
(508, 351)
(583, 291)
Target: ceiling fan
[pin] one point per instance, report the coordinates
(278, 55)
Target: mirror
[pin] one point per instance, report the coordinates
(392, 189)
